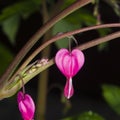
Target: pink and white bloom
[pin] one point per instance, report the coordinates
(26, 106)
(69, 63)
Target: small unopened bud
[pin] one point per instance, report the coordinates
(26, 106)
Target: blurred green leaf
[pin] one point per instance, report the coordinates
(63, 26)
(86, 116)
(103, 32)
(67, 3)
(10, 27)
(103, 46)
(37, 2)
(115, 5)
(81, 17)
(23, 8)
(66, 103)
(71, 22)
(5, 58)
(111, 94)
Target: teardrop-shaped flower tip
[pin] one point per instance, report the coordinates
(26, 106)
(68, 90)
(69, 63)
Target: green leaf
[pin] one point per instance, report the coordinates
(67, 3)
(5, 58)
(63, 26)
(103, 46)
(23, 8)
(115, 5)
(10, 27)
(37, 2)
(81, 17)
(111, 94)
(86, 116)
(103, 32)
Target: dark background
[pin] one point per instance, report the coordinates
(101, 67)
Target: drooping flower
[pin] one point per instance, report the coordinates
(69, 63)
(26, 106)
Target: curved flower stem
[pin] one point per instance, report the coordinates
(10, 70)
(9, 92)
(60, 36)
(93, 43)
(57, 37)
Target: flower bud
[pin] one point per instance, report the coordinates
(26, 106)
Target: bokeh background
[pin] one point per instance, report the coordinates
(100, 73)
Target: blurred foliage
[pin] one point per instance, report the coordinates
(67, 3)
(67, 104)
(11, 15)
(81, 17)
(111, 94)
(10, 18)
(115, 5)
(103, 46)
(5, 57)
(72, 22)
(10, 27)
(23, 8)
(63, 26)
(86, 116)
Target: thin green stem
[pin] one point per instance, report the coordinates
(23, 85)
(10, 70)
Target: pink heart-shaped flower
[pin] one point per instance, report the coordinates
(69, 63)
(26, 106)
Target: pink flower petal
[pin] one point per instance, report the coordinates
(79, 60)
(69, 63)
(68, 90)
(59, 58)
(26, 106)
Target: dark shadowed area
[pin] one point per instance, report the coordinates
(101, 67)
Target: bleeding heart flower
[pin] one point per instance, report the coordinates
(69, 64)
(26, 106)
